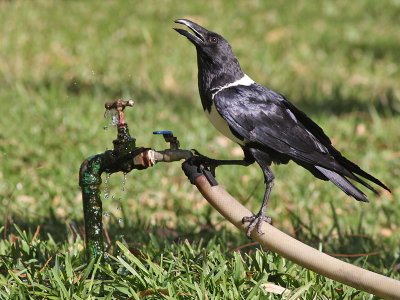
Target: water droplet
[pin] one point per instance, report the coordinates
(119, 220)
(123, 183)
(107, 178)
(106, 215)
(106, 187)
(119, 207)
(113, 197)
(105, 256)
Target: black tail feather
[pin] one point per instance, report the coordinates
(359, 180)
(352, 167)
(345, 185)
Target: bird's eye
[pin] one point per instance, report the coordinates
(213, 40)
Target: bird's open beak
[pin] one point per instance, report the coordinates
(198, 37)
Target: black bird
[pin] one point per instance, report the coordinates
(268, 127)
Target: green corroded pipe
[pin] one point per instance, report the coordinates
(90, 181)
(111, 161)
(119, 159)
(124, 158)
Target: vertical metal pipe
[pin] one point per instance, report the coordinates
(89, 181)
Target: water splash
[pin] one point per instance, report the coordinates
(106, 187)
(123, 183)
(112, 116)
(108, 194)
(107, 178)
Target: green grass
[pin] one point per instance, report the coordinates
(62, 60)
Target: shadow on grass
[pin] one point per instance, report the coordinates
(386, 103)
(312, 102)
(135, 230)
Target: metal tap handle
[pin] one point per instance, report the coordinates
(119, 105)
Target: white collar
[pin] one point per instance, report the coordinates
(245, 80)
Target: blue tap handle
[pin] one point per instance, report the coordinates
(169, 138)
(165, 133)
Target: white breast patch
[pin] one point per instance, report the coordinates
(219, 123)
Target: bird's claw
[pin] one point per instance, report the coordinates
(201, 165)
(203, 161)
(255, 220)
(200, 157)
(196, 152)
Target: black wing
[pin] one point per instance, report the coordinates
(265, 117)
(260, 116)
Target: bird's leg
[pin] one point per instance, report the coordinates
(260, 217)
(257, 220)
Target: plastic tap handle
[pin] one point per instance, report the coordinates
(166, 133)
(169, 138)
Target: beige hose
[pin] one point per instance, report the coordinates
(296, 251)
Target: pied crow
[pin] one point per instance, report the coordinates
(268, 127)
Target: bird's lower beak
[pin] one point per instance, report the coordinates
(198, 37)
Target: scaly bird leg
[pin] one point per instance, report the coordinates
(256, 220)
(260, 217)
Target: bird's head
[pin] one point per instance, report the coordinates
(213, 50)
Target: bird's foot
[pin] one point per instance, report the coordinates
(202, 165)
(256, 220)
(204, 161)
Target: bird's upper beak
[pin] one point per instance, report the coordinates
(198, 37)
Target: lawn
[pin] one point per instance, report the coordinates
(60, 61)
